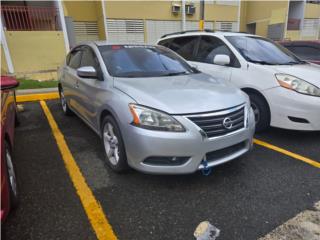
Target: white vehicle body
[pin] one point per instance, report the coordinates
(288, 108)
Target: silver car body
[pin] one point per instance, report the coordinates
(182, 97)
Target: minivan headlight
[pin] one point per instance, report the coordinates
(297, 84)
(153, 119)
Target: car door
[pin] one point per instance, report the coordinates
(209, 47)
(70, 82)
(89, 88)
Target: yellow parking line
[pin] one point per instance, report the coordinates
(288, 153)
(91, 206)
(37, 97)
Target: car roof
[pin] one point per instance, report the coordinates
(205, 32)
(94, 44)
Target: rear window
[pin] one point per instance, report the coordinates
(306, 52)
(143, 61)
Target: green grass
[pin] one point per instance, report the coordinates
(33, 84)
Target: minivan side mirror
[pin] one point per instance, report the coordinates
(221, 59)
(87, 72)
(8, 82)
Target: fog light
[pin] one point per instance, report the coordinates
(165, 161)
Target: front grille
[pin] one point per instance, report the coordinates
(213, 124)
(221, 153)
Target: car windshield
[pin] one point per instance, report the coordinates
(263, 51)
(143, 61)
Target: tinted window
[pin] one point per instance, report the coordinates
(75, 59)
(305, 52)
(143, 61)
(263, 51)
(209, 47)
(89, 58)
(165, 43)
(185, 46)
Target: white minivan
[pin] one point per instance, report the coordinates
(284, 90)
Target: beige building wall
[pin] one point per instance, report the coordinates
(312, 11)
(161, 10)
(155, 10)
(263, 10)
(33, 52)
(86, 11)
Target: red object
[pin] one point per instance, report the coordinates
(306, 50)
(8, 118)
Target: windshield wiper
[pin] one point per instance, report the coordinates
(174, 73)
(293, 63)
(261, 62)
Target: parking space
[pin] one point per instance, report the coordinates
(245, 199)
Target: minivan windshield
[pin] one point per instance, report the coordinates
(132, 61)
(263, 51)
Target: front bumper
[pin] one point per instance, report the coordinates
(285, 104)
(141, 144)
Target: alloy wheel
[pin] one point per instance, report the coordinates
(63, 101)
(111, 143)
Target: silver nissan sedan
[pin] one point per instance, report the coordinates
(153, 111)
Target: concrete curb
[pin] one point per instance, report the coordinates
(304, 226)
(36, 91)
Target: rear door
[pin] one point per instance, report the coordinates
(209, 47)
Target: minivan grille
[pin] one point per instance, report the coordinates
(220, 124)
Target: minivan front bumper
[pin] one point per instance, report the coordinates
(190, 147)
(292, 110)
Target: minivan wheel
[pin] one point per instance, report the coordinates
(12, 180)
(65, 108)
(261, 112)
(113, 145)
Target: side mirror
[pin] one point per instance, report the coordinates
(221, 59)
(87, 72)
(8, 82)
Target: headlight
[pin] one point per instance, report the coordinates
(154, 120)
(297, 84)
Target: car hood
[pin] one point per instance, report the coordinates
(308, 72)
(182, 94)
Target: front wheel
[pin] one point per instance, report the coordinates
(65, 108)
(261, 112)
(113, 145)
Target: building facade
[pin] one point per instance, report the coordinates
(35, 35)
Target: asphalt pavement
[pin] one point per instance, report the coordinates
(246, 198)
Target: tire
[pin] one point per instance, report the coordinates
(11, 178)
(113, 145)
(261, 112)
(64, 105)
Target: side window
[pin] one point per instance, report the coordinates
(209, 47)
(165, 43)
(184, 46)
(89, 58)
(305, 52)
(75, 59)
